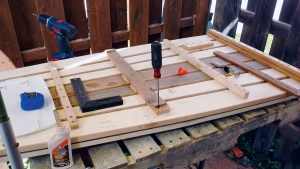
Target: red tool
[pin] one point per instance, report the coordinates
(237, 152)
(182, 71)
(156, 56)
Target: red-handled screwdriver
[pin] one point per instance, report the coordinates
(156, 56)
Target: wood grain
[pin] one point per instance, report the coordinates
(172, 15)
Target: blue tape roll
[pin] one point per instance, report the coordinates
(32, 101)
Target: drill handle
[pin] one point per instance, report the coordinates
(63, 43)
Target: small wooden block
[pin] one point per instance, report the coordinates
(247, 116)
(108, 156)
(275, 108)
(197, 46)
(225, 123)
(201, 130)
(43, 162)
(142, 147)
(173, 139)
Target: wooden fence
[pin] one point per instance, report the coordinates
(258, 23)
(108, 24)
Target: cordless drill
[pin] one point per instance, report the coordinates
(63, 32)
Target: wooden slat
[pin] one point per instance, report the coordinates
(202, 9)
(53, 8)
(138, 22)
(202, 130)
(230, 84)
(27, 27)
(259, 74)
(100, 25)
(172, 15)
(227, 122)
(8, 39)
(251, 7)
(75, 14)
(248, 116)
(107, 156)
(155, 10)
(260, 26)
(136, 81)
(287, 14)
(63, 96)
(292, 50)
(142, 147)
(257, 55)
(173, 139)
(223, 16)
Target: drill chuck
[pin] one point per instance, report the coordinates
(156, 55)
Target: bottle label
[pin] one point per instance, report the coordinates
(60, 155)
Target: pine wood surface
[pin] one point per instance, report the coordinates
(190, 97)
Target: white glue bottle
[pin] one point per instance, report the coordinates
(59, 147)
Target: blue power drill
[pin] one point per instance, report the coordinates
(63, 32)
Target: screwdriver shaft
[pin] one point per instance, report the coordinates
(157, 92)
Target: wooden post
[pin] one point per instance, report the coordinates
(264, 137)
(8, 39)
(53, 8)
(292, 47)
(226, 11)
(138, 21)
(260, 26)
(172, 15)
(100, 25)
(287, 15)
(155, 10)
(202, 9)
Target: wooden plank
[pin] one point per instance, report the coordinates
(233, 86)
(5, 63)
(8, 39)
(261, 75)
(223, 17)
(138, 22)
(187, 10)
(53, 8)
(172, 15)
(141, 148)
(291, 49)
(202, 9)
(260, 26)
(75, 14)
(136, 81)
(99, 14)
(173, 139)
(258, 55)
(155, 13)
(251, 7)
(202, 130)
(248, 116)
(72, 120)
(27, 27)
(227, 122)
(108, 156)
(287, 10)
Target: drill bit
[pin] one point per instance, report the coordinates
(229, 70)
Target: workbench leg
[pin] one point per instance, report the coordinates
(201, 164)
(264, 137)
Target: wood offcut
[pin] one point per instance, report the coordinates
(138, 84)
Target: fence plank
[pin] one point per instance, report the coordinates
(251, 6)
(172, 15)
(202, 9)
(225, 12)
(286, 15)
(75, 14)
(188, 8)
(138, 21)
(8, 39)
(118, 15)
(292, 48)
(27, 27)
(54, 8)
(260, 26)
(155, 14)
(100, 24)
